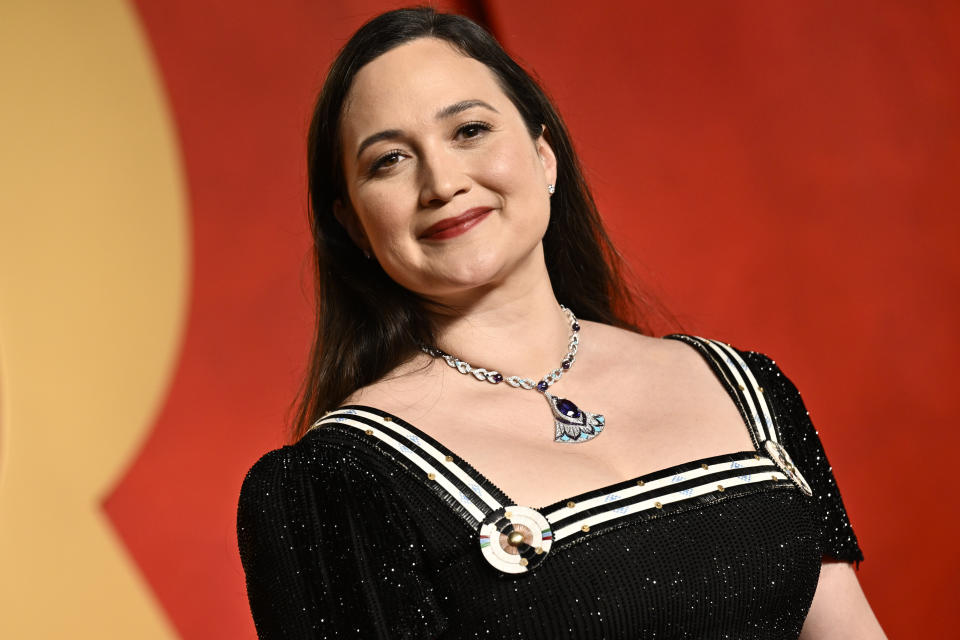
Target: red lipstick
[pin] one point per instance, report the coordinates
(456, 225)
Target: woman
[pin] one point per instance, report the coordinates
(686, 491)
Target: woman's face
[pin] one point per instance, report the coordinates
(428, 135)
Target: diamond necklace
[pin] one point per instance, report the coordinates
(571, 424)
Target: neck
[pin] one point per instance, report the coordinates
(517, 330)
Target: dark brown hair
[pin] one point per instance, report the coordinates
(367, 324)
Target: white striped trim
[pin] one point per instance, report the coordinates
(349, 417)
(761, 394)
(650, 485)
(651, 504)
(727, 355)
(439, 468)
(732, 368)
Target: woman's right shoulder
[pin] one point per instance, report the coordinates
(325, 455)
(409, 387)
(320, 457)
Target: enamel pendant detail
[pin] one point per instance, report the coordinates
(572, 423)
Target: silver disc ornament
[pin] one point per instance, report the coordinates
(515, 539)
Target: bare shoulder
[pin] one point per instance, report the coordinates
(667, 376)
(609, 344)
(675, 402)
(414, 385)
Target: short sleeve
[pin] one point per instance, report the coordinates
(802, 441)
(328, 553)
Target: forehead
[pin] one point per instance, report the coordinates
(411, 82)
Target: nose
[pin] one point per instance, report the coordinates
(442, 176)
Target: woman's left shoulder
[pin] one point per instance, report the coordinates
(625, 343)
(732, 354)
(683, 356)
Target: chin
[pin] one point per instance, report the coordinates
(477, 273)
(458, 276)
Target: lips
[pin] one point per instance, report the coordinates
(456, 225)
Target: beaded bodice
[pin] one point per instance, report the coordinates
(370, 524)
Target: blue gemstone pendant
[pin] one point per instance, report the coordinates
(572, 423)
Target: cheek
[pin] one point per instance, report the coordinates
(516, 174)
(380, 213)
(514, 170)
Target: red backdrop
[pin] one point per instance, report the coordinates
(783, 175)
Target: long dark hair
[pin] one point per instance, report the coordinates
(367, 324)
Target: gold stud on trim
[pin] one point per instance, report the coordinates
(760, 389)
(539, 550)
(388, 418)
(523, 561)
(369, 432)
(774, 478)
(508, 515)
(448, 458)
(658, 505)
(571, 504)
(585, 528)
(757, 456)
(720, 488)
(704, 466)
(432, 476)
(640, 483)
(742, 388)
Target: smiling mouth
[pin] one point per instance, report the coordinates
(455, 226)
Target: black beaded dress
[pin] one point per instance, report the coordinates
(370, 528)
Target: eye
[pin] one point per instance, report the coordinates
(473, 129)
(387, 160)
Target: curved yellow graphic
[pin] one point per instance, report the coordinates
(93, 289)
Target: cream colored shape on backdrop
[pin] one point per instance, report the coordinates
(93, 291)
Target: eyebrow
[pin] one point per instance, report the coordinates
(460, 107)
(446, 112)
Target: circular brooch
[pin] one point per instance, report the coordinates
(782, 460)
(515, 539)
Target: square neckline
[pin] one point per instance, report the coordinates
(485, 481)
(505, 498)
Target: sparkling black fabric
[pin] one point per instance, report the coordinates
(340, 538)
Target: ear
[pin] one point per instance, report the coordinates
(547, 157)
(347, 218)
